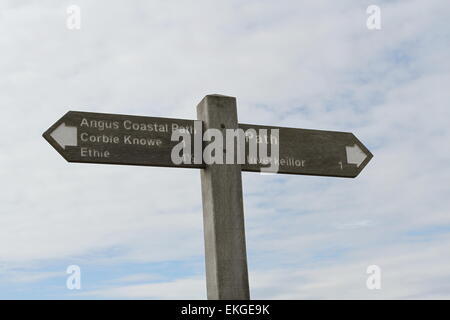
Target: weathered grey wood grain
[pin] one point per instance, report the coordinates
(120, 153)
(223, 211)
(133, 140)
(301, 151)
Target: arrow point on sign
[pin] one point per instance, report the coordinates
(355, 155)
(65, 136)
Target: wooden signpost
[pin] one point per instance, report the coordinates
(86, 137)
(131, 140)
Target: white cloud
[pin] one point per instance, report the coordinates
(307, 64)
(174, 290)
(14, 276)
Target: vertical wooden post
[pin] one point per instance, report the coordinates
(223, 211)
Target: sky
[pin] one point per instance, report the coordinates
(137, 232)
